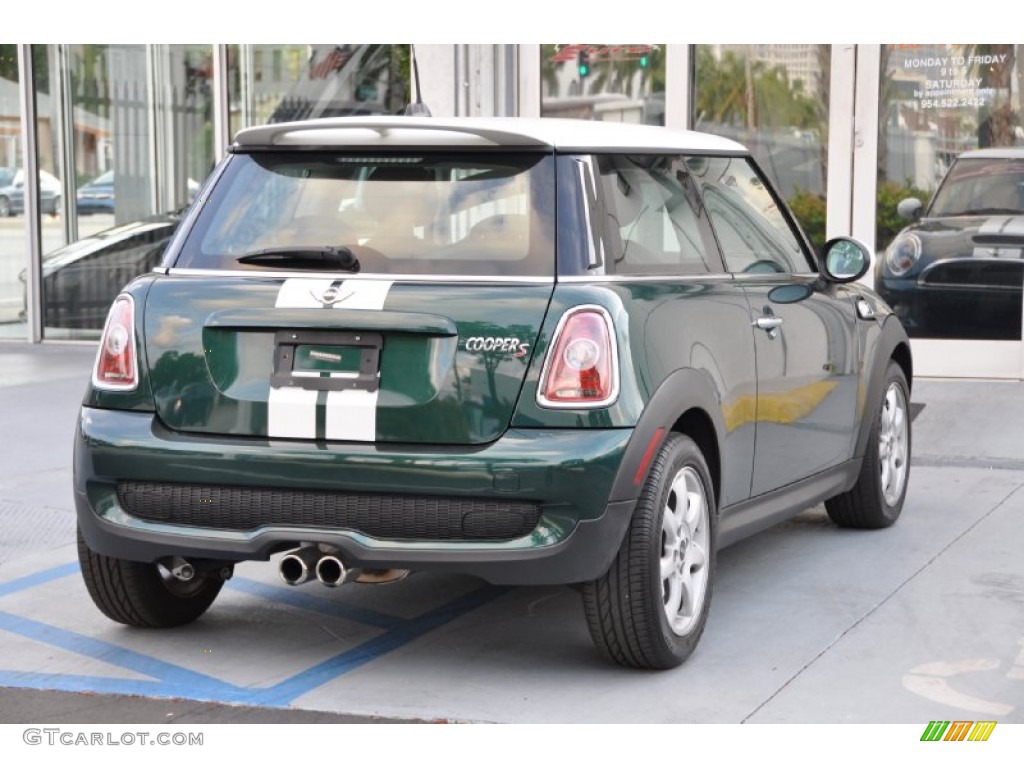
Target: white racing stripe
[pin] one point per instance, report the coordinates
(351, 414)
(291, 412)
(1010, 226)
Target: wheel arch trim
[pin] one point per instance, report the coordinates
(685, 397)
(893, 346)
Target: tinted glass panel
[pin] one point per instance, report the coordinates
(977, 186)
(651, 217)
(752, 230)
(426, 214)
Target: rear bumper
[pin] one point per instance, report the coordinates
(569, 474)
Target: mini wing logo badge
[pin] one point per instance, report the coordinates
(331, 296)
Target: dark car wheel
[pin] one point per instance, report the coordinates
(144, 594)
(877, 499)
(5, 208)
(649, 609)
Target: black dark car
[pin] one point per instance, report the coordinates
(81, 279)
(957, 270)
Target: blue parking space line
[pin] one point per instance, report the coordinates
(42, 681)
(297, 599)
(109, 653)
(288, 690)
(171, 680)
(35, 579)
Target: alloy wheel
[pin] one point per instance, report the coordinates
(685, 537)
(893, 443)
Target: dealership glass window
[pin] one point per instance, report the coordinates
(12, 227)
(110, 97)
(184, 95)
(615, 82)
(774, 99)
(308, 81)
(958, 273)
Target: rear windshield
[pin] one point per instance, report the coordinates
(456, 213)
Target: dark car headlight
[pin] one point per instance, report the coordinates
(903, 253)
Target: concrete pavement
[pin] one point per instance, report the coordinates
(810, 624)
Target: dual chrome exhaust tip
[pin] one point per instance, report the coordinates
(329, 569)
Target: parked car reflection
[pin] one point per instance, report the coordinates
(957, 270)
(81, 279)
(12, 192)
(98, 195)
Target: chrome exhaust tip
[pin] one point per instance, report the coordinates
(332, 572)
(299, 566)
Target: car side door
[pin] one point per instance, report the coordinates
(803, 328)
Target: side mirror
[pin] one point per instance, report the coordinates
(844, 260)
(909, 208)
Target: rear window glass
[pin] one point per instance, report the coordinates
(428, 213)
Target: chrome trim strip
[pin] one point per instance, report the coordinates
(717, 277)
(780, 277)
(924, 283)
(285, 275)
(586, 174)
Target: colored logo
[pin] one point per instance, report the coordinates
(958, 730)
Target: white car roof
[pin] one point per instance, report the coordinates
(999, 153)
(542, 133)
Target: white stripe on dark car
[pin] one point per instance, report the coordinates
(351, 414)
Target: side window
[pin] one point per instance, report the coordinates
(753, 233)
(649, 217)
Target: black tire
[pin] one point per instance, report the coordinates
(5, 208)
(140, 594)
(626, 608)
(876, 501)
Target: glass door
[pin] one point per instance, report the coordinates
(949, 217)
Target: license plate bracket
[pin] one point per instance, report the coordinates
(333, 349)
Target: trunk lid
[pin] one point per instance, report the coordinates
(345, 358)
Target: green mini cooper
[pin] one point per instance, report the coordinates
(535, 351)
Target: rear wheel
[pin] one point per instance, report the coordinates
(650, 608)
(5, 207)
(144, 594)
(877, 499)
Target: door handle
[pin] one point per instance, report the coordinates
(770, 324)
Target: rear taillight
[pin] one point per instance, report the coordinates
(116, 367)
(582, 367)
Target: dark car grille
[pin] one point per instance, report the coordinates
(1005, 274)
(385, 516)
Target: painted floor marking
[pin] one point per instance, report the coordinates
(172, 680)
(930, 681)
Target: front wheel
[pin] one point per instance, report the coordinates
(650, 608)
(877, 499)
(144, 594)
